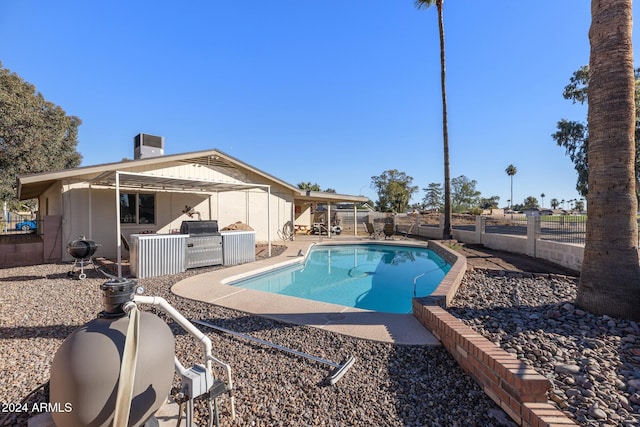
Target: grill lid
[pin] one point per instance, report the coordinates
(200, 228)
(82, 248)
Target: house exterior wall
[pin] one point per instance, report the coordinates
(303, 217)
(50, 202)
(91, 212)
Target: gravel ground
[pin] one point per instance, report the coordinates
(593, 361)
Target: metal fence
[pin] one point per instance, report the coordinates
(561, 228)
(509, 224)
(564, 228)
(17, 226)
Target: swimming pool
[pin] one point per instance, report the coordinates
(375, 277)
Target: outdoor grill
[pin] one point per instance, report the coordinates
(81, 250)
(204, 244)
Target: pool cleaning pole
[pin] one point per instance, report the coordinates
(334, 378)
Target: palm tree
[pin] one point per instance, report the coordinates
(447, 232)
(542, 197)
(511, 170)
(555, 203)
(610, 276)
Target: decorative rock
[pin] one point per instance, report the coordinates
(572, 392)
(567, 369)
(589, 359)
(387, 386)
(597, 413)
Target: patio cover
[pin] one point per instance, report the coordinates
(328, 198)
(135, 180)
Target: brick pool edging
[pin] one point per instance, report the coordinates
(518, 389)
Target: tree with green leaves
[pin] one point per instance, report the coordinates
(394, 190)
(433, 198)
(610, 274)
(531, 203)
(35, 134)
(573, 135)
(517, 207)
(464, 195)
(555, 203)
(308, 186)
(511, 171)
(447, 232)
(489, 203)
(542, 196)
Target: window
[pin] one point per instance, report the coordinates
(137, 208)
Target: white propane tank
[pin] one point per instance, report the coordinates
(86, 368)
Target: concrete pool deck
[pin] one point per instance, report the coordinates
(210, 287)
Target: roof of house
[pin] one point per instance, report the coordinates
(32, 185)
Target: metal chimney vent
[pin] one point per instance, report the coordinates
(145, 146)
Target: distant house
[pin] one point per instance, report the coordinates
(494, 211)
(538, 212)
(154, 193)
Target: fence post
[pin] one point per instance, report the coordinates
(533, 234)
(481, 223)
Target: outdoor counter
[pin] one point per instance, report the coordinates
(160, 254)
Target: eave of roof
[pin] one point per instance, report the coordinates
(322, 197)
(32, 185)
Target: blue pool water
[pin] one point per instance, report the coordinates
(374, 277)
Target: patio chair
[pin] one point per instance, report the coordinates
(389, 230)
(371, 230)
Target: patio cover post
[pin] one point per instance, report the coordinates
(355, 220)
(118, 231)
(293, 219)
(90, 213)
(269, 221)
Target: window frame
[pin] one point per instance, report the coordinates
(136, 205)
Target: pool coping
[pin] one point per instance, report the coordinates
(403, 329)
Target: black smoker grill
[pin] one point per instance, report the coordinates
(81, 250)
(204, 244)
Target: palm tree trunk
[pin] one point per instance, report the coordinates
(511, 200)
(447, 230)
(610, 279)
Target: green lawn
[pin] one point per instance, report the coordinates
(563, 218)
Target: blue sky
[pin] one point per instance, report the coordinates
(330, 92)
